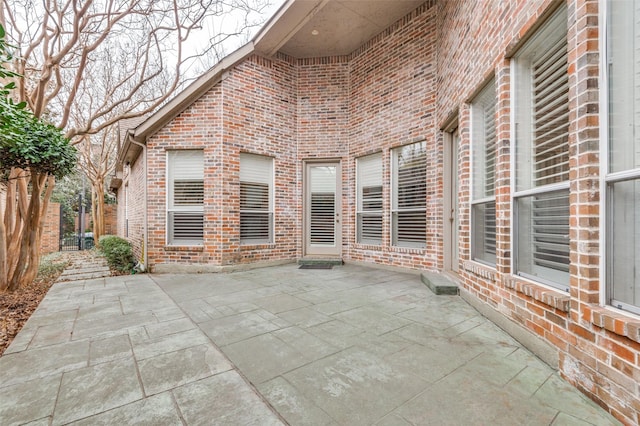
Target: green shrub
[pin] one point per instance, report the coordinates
(118, 252)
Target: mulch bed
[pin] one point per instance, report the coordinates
(17, 307)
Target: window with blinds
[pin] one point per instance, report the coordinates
(369, 202)
(622, 179)
(185, 180)
(483, 206)
(256, 205)
(409, 195)
(541, 196)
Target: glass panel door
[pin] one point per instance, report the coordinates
(322, 209)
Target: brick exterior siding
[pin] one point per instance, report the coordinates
(404, 86)
(130, 206)
(111, 219)
(51, 230)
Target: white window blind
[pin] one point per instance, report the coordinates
(409, 195)
(369, 204)
(256, 211)
(322, 222)
(623, 177)
(484, 142)
(550, 230)
(185, 173)
(542, 155)
(551, 115)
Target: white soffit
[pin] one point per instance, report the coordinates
(318, 28)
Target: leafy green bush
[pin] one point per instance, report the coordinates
(118, 252)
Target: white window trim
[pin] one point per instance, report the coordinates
(359, 209)
(126, 209)
(271, 212)
(515, 195)
(169, 209)
(606, 176)
(394, 194)
(482, 200)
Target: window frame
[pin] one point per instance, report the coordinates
(171, 208)
(361, 210)
(394, 199)
(269, 212)
(487, 93)
(609, 178)
(554, 28)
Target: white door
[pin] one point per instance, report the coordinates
(322, 209)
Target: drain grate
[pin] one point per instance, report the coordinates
(316, 266)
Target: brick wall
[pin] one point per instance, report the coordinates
(598, 350)
(392, 103)
(260, 118)
(404, 86)
(51, 231)
(323, 125)
(130, 223)
(199, 126)
(110, 219)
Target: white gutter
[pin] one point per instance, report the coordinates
(145, 225)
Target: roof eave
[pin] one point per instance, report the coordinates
(291, 16)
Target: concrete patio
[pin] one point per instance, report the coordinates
(351, 345)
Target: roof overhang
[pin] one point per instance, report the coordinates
(321, 28)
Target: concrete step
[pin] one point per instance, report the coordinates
(440, 284)
(86, 270)
(83, 276)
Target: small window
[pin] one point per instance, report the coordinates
(483, 204)
(369, 208)
(256, 205)
(409, 195)
(185, 197)
(541, 197)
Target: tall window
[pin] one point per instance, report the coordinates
(256, 204)
(483, 204)
(409, 195)
(623, 177)
(541, 197)
(369, 207)
(126, 210)
(185, 172)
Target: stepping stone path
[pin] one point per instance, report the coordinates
(86, 265)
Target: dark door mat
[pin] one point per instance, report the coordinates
(316, 266)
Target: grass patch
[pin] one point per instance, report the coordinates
(51, 266)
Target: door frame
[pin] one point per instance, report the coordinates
(330, 252)
(451, 209)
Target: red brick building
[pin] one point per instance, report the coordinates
(483, 139)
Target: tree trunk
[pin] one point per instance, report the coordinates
(34, 254)
(3, 247)
(20, 252)
(97, 209)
